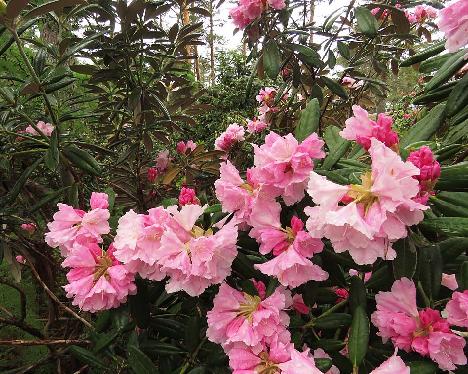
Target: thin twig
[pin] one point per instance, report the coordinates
(45, 342)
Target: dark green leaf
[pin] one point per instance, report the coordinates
(446, 71)
(87, 357)
(366, 21)
(358, 337)
(344, 50)
(52, 157)
(309, 120)
(333, 321)
(139, 362)
(335, 87)
(357, 294)
(404, 264)
(430, 270)
(447, 225)
(271, 59)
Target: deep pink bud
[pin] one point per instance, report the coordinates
(188, 196)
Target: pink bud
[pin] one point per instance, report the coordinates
(99, 200)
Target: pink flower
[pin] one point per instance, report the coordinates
(162, 161)
(375, 11)
(320, 353)
(256, 125)
(351, 82)
(184, 148)
(246, 12)
(342, 294)
(29, 227)
(188, 196)
(152, 174)
(291, 245)
(192, 257)
(284, 164)
(424, 13)
(20, 259)
(376, 213)
(99, 200)
(97, 281)
(449, 281)
(453, 22)
(70, 224)
(429, 172)
(46, 129)
(457, 309)
(425, 332)
(238, 317)
(362, 129)
(300, 363)
(367, 275)
(393, 365)
(233, 134)
(138, 239)
(299, 305)
(277, 4)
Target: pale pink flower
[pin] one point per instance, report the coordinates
(138, 239)
(285, 164)
(453, 22)
(429, 172)
(266, 96)
(362, 129)
(424, 13)
(245, 12)
(351, 82)
(188, 196)
(238, 317)
(99, 200)
(195, 258)
(410, 17)
(97, 281)
(449, 281)
(151, 174)
(300, 363)
(457, 309)
(256, 125)
(425, 331)
(277, 4)
(233, 134)
(20, 259)
(320, 353)
(46, 129)
(185, 147)
(29, 227)
(376, 213)
(162, 161)
(69, 224)
(393, 365)
(299, 305)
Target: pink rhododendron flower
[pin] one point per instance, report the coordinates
(429, 172)
(20, 259)
(457, 309)
(46, 129)
(449, 281)
(299, 305)
(233, 134)
(196, 258)
(362, 129)
(69, 224)
(367, 275)
(393, 365)
(285, 164)
(238, 317)
(29, 227)
(383, 14)
(99, 200)
(342, 294)
(424, 13)
(377, 213)
(162, 161)
(300, 363)
(277, 4)
(188, 196)
(267, 97)
(97, 281)
(292, 246)
(152, 174)
(256, 125)
(425, 331)
(246, 12)
(183, 147)
(320, 353)
(351, 82)
(138, 239)
(453, 22)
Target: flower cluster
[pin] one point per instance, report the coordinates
(45, 128)
(421, 14)
(423, 331)
(429, 171)
(185, 147)
(233, 134)
(248, 11)
(453, 22)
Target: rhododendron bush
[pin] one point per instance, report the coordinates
(315, 236)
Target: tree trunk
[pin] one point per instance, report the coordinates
(211, 43)
(311, 20)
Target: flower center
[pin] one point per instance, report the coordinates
(250, 306)
(104, 262)
(266, 366)
(362, 194)
(290, 235)
(248, 187)
(197, 232)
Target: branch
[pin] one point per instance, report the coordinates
(45, 342)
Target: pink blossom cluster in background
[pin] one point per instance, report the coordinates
(421, 14)
(233, 134)
(45, 128)
(420, 330)
(248, 11)
(185, 147)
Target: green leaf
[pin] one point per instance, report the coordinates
(87, 357)
(309, 120)
(306, 54)
(366, 21)
(454, 177)
(335, 87)
(104, 340)
(357, 294)
(52, 155)
(160, 348)
(358, 337)
(139, 362)
(334, 156)
(453, 247)
(446, 71)
(323, 364)
(404, 265)
(14, 192)
(422, 367)
(430, 270)
(343, 49)
(447, 225)
(462, 277)
(458, 98)
(271, 59)
(47, 198)
(333, 321)
(78, 47)
(426, 127)
(331, 61)
(213, 209)
(139, 306)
